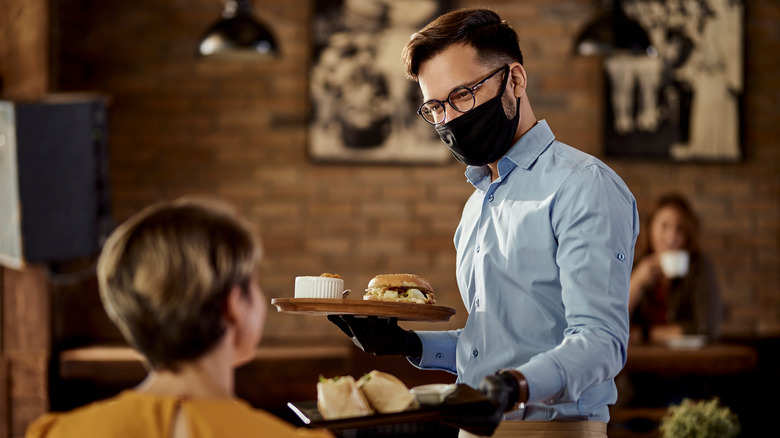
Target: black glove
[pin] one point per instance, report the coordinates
(503, 391)
(380, 336)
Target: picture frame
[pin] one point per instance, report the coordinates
(682, 101)
(363, 106)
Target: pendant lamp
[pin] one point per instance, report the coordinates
(238, 35)
(612, 31)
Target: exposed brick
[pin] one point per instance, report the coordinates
(412, 262)
(333, 246)
(181, 124)
(383, 246)
(385, 227)
(432, 243)
(379, 209)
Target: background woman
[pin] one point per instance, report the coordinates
(666, 307)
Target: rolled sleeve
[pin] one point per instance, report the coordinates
(595, 251)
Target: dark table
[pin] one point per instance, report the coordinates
(710, 359)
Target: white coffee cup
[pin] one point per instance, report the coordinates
(675, 263)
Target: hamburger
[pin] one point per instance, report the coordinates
(386, 393)
(340, 397)
(402, 288)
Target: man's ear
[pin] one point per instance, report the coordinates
(517, 78)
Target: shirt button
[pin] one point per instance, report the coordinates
(477, 303)
(490, 198)
(439, 355)
(621, 257)
(475, 353)
(477, 248)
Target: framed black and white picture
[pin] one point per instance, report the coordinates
(682, 101)
(363, 106)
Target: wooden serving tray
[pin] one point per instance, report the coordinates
(383, 309)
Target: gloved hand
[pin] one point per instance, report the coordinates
(503, 389)
(380, 336)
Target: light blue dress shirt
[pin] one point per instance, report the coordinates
(544, 256)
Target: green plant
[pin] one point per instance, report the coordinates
(699, 419)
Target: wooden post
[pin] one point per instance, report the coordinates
(5, 418)
(25, 339)
(24, 48)
(26, 348)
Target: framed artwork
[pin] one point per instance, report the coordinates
(363, 107)
(683, 101)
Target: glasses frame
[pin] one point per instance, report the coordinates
(472, 90)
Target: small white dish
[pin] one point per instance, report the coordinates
(432, 394)
(687, 342)
(318, 287)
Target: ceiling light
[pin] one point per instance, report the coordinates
(612, 31)
(238, 35)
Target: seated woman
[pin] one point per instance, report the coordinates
(666, 307)
(179, 280)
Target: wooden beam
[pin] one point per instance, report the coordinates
(26, 348)
(25, 325)
(24, 48)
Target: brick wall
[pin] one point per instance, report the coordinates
(238, 130)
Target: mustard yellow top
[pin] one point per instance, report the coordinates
(132, 414)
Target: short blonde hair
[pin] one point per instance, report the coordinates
(165, 273)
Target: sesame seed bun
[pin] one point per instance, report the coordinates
(401, 289)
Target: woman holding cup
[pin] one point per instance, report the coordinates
(674, 290)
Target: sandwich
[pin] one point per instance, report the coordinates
(340, 397)
(402, 288)
(386, 393)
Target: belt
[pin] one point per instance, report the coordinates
(541, 429)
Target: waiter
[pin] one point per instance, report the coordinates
(544, 246)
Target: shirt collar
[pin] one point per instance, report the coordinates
(524, 153)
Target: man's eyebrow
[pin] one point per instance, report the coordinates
(465, 84)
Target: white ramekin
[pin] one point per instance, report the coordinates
(318, 287)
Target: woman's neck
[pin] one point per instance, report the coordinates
(211, 376)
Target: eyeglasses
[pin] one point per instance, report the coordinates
(460, 99)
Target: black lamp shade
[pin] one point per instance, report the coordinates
(238, 34)
(613, 31)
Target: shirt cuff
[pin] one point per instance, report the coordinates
(544, 380)
(438, 352)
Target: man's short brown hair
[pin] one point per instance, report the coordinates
(166, 272)
(495, 40)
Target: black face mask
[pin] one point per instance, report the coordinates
(482, 135)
